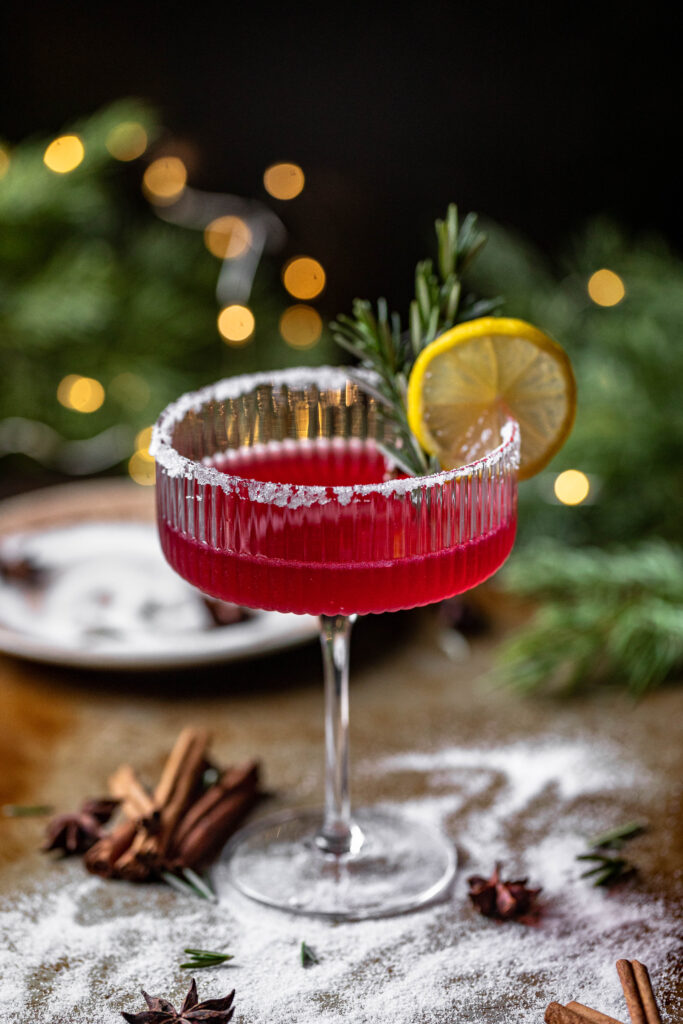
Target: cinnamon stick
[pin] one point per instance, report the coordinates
(594, 1016)
(244, 776)
(211, 832)
(101, 857)
(178, 781)
(647, 996)
(631, 993)
(175, 762)
(136, 803)
(558, 1014)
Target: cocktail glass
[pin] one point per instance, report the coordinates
(272, 492)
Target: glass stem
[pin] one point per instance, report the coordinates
(336, 833)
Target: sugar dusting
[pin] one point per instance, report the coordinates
(78, 949)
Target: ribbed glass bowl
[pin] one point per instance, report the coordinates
(291, 545)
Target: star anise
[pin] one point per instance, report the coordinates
(505, 900)
(160, 1011)
(77, 832)
(101, 808)
(24, 571)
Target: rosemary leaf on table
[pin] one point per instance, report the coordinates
(190, 884)
(608, 868)
(203, 958)
(308, 956)
(26, 810)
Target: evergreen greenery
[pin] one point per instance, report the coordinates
(605, 615)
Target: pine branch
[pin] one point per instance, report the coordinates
(380, 344)
(608, 616)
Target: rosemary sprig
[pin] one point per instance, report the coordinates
(378, 341)
(191, 884)
(616, 837)
(202, 958)
(610, 868)
(26, 810)
(308, 956)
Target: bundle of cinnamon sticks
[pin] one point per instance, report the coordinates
(638, 992)
(184, 823)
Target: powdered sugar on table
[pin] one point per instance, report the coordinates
(78, 949)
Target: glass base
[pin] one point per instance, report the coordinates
(395, 865)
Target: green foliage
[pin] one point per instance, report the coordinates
(606, 616)
(381, 346)
(93, 283)
(628, 360)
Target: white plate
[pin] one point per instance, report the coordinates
(108, 600)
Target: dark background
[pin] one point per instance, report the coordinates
(537, 118)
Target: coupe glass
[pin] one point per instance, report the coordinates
(272, 493)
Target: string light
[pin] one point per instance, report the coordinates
(572, 487)
(127, 141)
(303, 277)
(4, 161)
(64, 154)
(236, 324)
(284, 181)
(164, 180)
(606, 288)
(227, 237)
(141, 469)
(301, 326)
(82, 394)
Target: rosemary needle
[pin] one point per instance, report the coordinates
(616, 837)
(202, 958)
(26, 810)
(308, 956)
(190, 885)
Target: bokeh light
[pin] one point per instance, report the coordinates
(4, 161)
(141, 469)
(143, 441)
(606, 288)
(227, 237)
(572, 487)
(64, 154)
(284, 181)
(236, 324)
(164, 180)
(301, 326)
(82, 394)
(130, 390)
(127, 141)
(303, 277)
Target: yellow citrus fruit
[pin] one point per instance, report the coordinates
(470, 379)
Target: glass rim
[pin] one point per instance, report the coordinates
(324, 378)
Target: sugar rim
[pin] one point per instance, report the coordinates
(324, 377)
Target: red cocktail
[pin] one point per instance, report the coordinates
(273, 492)
(331, 558)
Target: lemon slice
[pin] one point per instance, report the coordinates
(469, 380)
